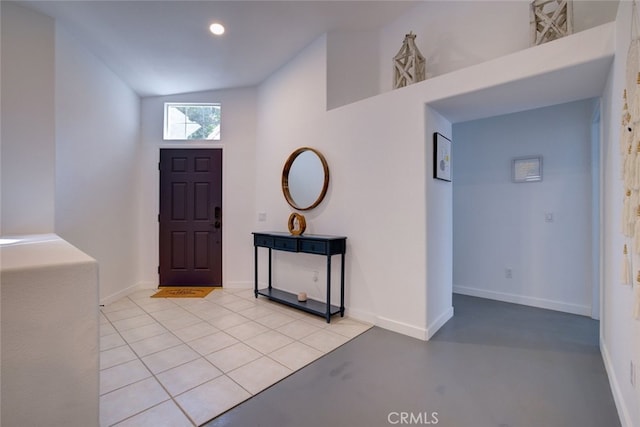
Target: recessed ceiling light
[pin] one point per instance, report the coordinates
(217, 29)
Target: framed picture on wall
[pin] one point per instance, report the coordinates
(526, 169)
(441, 157)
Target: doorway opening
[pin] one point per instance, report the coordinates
(528, 243)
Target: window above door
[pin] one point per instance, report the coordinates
(191, 121)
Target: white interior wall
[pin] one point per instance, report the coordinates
(82, 110)
(237, 140)
(28, 121)
(385, 254)
(452, 35)
(352, 66)
(380, 201)
(97, 134)
(381, 189)
(499, 224)
(620, 334)
(291, 114)
(290, 102)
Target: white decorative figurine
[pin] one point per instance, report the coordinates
(550, 20)
(408, 64)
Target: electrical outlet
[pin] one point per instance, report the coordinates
(315, 276)
(262, 216)
(508, 273)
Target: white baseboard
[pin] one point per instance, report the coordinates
(238, 285)
(362, 316)
(123, 293)
(401, 328)
(582, 310)
(623, 412)
(147, 285)
(439, 322)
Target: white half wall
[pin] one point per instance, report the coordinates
(50, 329)
(500, 225)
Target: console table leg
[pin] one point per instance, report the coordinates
(269, 268)
(255, 271)
(342, 287)
(328, 288)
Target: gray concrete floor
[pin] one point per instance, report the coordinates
(493, 365)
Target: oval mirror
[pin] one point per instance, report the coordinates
(305, 178)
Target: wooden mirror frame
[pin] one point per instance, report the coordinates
(285, 178)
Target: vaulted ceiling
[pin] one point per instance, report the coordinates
(165, 47)
(162, 47)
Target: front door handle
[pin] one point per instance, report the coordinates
(217, 214)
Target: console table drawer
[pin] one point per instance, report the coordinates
(285, 244)
(313, 246)
(262, 240)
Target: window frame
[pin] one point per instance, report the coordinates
(166, 135)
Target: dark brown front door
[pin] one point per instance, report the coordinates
(190, 217)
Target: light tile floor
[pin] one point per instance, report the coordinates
(183, 361)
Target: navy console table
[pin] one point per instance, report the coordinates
(310, 244)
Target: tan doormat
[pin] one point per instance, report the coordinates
(183, 292)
